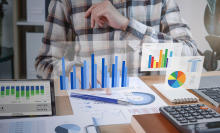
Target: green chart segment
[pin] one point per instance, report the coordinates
(21, 91)
(176, 79)
(12, 90)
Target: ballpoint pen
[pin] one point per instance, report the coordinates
(102, 99)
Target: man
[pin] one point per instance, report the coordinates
(145, 21)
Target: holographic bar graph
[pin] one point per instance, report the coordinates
(164, 60)
(105, 77)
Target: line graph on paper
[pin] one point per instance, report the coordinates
(107, 114)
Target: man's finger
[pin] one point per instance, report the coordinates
(88, 12)
(97, 14)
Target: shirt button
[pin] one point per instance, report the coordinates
(122, 51)
(127, 43)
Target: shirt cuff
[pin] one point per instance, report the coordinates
(134, 31)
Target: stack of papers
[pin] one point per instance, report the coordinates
(146, 100)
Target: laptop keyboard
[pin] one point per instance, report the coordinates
(212, 92)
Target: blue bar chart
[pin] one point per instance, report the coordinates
(106, 81)
(192, 65)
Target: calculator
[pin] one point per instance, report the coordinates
(193, 118)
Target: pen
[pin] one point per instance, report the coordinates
(102, 99)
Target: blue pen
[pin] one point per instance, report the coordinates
(102, 99)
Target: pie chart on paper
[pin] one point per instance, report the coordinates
(176, 79)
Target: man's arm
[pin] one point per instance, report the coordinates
(174, 30)
(57, 31)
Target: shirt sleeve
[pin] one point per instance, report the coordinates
(58, 31)
(174, 30)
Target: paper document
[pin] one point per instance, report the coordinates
(56, 124)
(146, 100)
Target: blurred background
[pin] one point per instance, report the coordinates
(21, 32)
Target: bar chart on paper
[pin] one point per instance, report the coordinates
(118, 79)
(159, 56)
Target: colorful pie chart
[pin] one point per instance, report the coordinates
(176, 79)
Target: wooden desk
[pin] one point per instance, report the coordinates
(63, 106)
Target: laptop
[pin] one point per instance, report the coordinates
(209, 89)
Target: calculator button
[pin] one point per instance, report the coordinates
(212, 113)
(216, 116)
(182, 112)
(189, 118)
(204, 113)
(187, 109)
(180, 119)
(186, 115)
(204, 107)
(184, 121)
(192, 105)
(208, 110)
(168, 109)
(200, 105)
(179, 110)
(196, 108)
(199, 117)
(176, 107)
(191, 111)
(193, 120)
(177, 116)
(195, 114)
(199, 111)
(207, 116)
(173, 113)
(184, 106)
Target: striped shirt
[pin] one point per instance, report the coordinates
(68, 33)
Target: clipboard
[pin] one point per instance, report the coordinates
(96, 127)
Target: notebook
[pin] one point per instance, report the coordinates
(177, 96)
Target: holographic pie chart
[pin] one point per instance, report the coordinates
(140, 98)
(176, 79)
(68, 128)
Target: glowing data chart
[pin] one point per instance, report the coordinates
(176, 79)
(106, 81)
(159, 56)
(187, 75)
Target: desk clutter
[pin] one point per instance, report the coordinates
(93, 108)
(58, 124)
(192, 118)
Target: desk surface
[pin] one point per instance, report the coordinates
(63, 106)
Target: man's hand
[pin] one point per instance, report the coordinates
(106, 13)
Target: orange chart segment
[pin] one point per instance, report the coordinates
(182, 78)
(180, 74)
